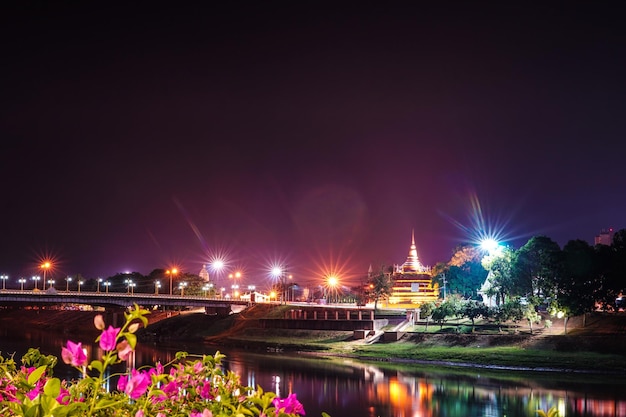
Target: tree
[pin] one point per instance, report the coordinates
(472, 310)
(380, 285)
(500, 282)
(465, 273)
(426, 310)
(536, 268)
(531, 315)
(579, 282)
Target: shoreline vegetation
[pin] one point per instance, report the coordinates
(598, 347)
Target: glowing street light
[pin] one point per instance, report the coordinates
(107, 284)
(45, 266)
(157, 285)
(21, 281)
(99, 281)
(128, 283)
(36, 279)
(4, 280)
(181, 287)
(67, 283)
(50, 283)
(206, 288)
(278, 273)
(171, 273)
(333, 281)
(80, 282)
(235, 290)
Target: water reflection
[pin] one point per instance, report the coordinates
(343, 387)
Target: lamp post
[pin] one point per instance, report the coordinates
(4, 280)
(99, 281)
(132, 288)
(50, 283)
(157, 285)
(107, 284)
(171, 274)
(222, 292)
(67, 283)
(182, 286)
(45, 266)
(80, 282)
(21, 281)
(332, 283)
(128, 282)
(36, 279)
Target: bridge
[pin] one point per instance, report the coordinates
(116, 300)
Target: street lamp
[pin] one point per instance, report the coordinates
(80, 282)
(50, 283)
(171, 274)
(4, 280)
(36, 279)
(206, 288)
(21, 281)
(45, 266)
(222, 292)
(182, 286)
(234, 290)
(132, 288)
(99, 281)
(107, 284)
(128, 282)
(67, 283)
(157, 285)
(332, 283)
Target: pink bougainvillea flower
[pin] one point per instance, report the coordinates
(73, 354)
(123, 350)
(135, 385)
(289, 405)
(108, 338)
(98, 321)
(139, 413)
(205, 413)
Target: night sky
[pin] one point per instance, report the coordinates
(319, 135)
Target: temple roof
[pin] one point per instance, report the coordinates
(412, 264)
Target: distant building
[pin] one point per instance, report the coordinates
(605, 237)
(412, 282)
(204, 274)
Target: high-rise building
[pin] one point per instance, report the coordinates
(605, 237)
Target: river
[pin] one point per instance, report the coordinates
(346, 388)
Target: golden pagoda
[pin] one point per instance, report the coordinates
(412, 282)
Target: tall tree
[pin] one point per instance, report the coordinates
(580, 280)
(380, 285)
(536, 268)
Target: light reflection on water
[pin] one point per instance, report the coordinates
(345, 388)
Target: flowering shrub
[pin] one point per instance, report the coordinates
(184, 387)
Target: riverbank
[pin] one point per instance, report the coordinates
(599, 347)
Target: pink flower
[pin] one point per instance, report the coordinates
(289, 405)
(205, 413)
(136, 385)
(73, 354)
(123, 350)
(108, 338)
(139, 413)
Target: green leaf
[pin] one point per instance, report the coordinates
(97, 365)
(36, 374)
(52, 388)
(132, 339)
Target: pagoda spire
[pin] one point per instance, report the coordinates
(412, 263)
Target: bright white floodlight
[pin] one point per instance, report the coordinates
(490, 245)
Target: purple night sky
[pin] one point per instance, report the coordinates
(138, 136)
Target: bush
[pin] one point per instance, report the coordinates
(185, 387)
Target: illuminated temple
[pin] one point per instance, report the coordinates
(412, 282)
